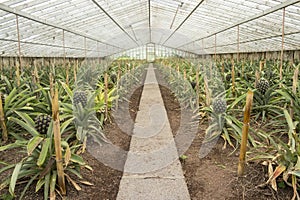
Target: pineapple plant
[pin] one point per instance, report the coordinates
(263, 85)
(113, 78)
(80, 97)
(219, 106)
(193, 84)
(42, 123)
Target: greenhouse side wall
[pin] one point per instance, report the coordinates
(289, 55)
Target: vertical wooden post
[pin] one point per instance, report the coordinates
(2, 121)
(106, 94)
(77, 65)
(51, 85)
(233, 76)
(197, 85)
(1, 64)
(243, 67)
(67, 72)
(18, 72)
(245, 130)
(75, 70)
(294, 89)
(282, 45)
(57, 142)
(223, 67)
(261, 66)
(257, 77)
(19, 42)
(207, 93)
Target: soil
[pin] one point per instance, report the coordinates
(211, 178)
(214, 177)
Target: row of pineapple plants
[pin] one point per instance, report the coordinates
(85, 100)
(274, 131)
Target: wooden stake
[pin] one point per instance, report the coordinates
(57, 141)
(294, 89)
(197, 86)
(257, 77)
(2, 121)
(51, 85)
(245, 130)
(36, 74)
(233, 76)
(18, 73)
(67, 73)
(261, 66)
(207, 94)
(75, 72)
(223, 67)
(106, 94)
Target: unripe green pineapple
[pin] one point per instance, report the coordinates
(42, 123)
(263, 85)
(80, 97)
(219, 106)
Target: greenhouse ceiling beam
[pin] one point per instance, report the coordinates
(187, 17)
(255, 40)
(42, 21)
(264, 13)
(109, 16)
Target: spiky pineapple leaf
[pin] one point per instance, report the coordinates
(14, 178)
(33, 143)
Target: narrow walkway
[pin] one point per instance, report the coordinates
(152, 170)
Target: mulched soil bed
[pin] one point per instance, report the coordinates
(215, 176)
(105, 180)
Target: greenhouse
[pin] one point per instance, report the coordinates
(150, 99)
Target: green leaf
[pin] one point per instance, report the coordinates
(39, 184)
(75, 172)
(26, 118)
(67, 89)
(66, 124)
(289, 120)
(14, 145)
(47, 185)
(9, 98)
(44, 152)
(3, 169)
(77, 159)
(296, 173)
(52, 185)
(14, 178)
(33, 143)
(26, 126)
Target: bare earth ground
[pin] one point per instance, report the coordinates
(211, 178)
(215, 176)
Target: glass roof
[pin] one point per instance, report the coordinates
(77, 28)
